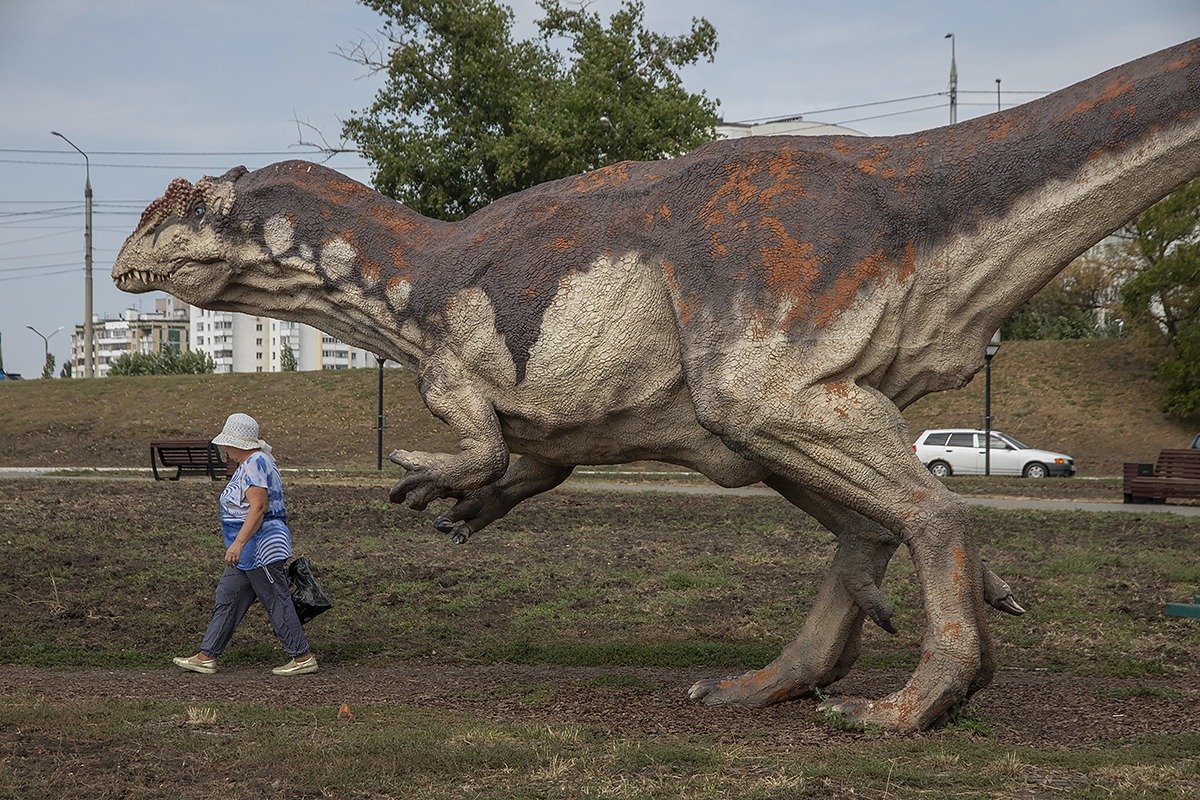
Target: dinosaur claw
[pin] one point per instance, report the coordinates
(1009, 606)
(872, 603)
(443, 525)
(461, 535)
(998, 594)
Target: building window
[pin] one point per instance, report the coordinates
(258, 341)
(259, 357)
(258, 327)
(258, 369)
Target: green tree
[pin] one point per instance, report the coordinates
(66, 370)
(165, 362)
(468, 114)
(48, 367)
(1162, 293)
(287, 360)
(1081, 302)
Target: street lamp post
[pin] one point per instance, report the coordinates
(989, 352)
(89, 358)
(997, 94)
(46, 343)
(379, 419)
(953, 81)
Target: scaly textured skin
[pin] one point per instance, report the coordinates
(758, 310)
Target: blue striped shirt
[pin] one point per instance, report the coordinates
(273, 540)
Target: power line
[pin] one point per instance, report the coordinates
(37, 266)
(134, 166)
(44, 275)
(37, 211)
(891, 114)
(171, 152)
(39, 255)
(990, 92)
(40, 236)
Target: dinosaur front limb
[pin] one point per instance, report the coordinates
(453, 398)
(525, 478)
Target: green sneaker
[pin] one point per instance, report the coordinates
(193, 664)
(295, 667)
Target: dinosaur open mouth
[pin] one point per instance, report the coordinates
(144, 277)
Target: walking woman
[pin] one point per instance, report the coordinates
(258, 542)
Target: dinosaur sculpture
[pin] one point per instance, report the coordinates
(758, 310)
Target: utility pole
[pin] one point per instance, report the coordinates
(997, 94)
(953, 81)
(89, 344)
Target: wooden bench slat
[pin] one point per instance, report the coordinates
(1176, 473)
(187, 457)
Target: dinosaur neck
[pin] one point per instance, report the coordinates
(341, 257)
(1045, 181)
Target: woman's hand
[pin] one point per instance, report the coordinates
(233, 553)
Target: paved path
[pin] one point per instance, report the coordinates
(991, 502)
(591, 485)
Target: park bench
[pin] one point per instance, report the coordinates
(1176, 474)
(188, 457)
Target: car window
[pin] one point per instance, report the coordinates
(961, 440)
(936, 439)
(998, 443)
(1017, 445)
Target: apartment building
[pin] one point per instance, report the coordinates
(242, 343)
(134, 331)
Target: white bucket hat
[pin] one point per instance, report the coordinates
(241, 431)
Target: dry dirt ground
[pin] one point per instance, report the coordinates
(1036, 709)
(104, 580)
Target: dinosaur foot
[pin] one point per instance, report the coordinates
(894, 713)
(459, 533)
(754, 689)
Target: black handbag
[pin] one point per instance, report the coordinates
(308, 595)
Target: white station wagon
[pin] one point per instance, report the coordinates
(960, 451)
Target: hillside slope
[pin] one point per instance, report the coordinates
(1096, 400)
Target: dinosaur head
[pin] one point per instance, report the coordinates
(288, 235)
(187, 242)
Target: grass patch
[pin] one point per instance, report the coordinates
(135, 749)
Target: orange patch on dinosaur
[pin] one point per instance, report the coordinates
(874, 269)
(1118, 87)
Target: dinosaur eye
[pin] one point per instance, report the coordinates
(199, 210)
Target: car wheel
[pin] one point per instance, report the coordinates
(940, 469)
(1035, 470)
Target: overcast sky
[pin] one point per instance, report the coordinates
(216, 83)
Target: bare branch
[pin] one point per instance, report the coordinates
(324, 147)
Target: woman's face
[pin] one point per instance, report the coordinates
(236, 454)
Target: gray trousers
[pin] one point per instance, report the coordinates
(237, 591)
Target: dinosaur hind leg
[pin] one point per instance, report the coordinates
(828, 643)
(846, 442)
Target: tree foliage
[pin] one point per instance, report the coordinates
(469, 114)
(1162, 293)
(287, 360)
(1081, 302)
(48, 367)
(165, 362)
